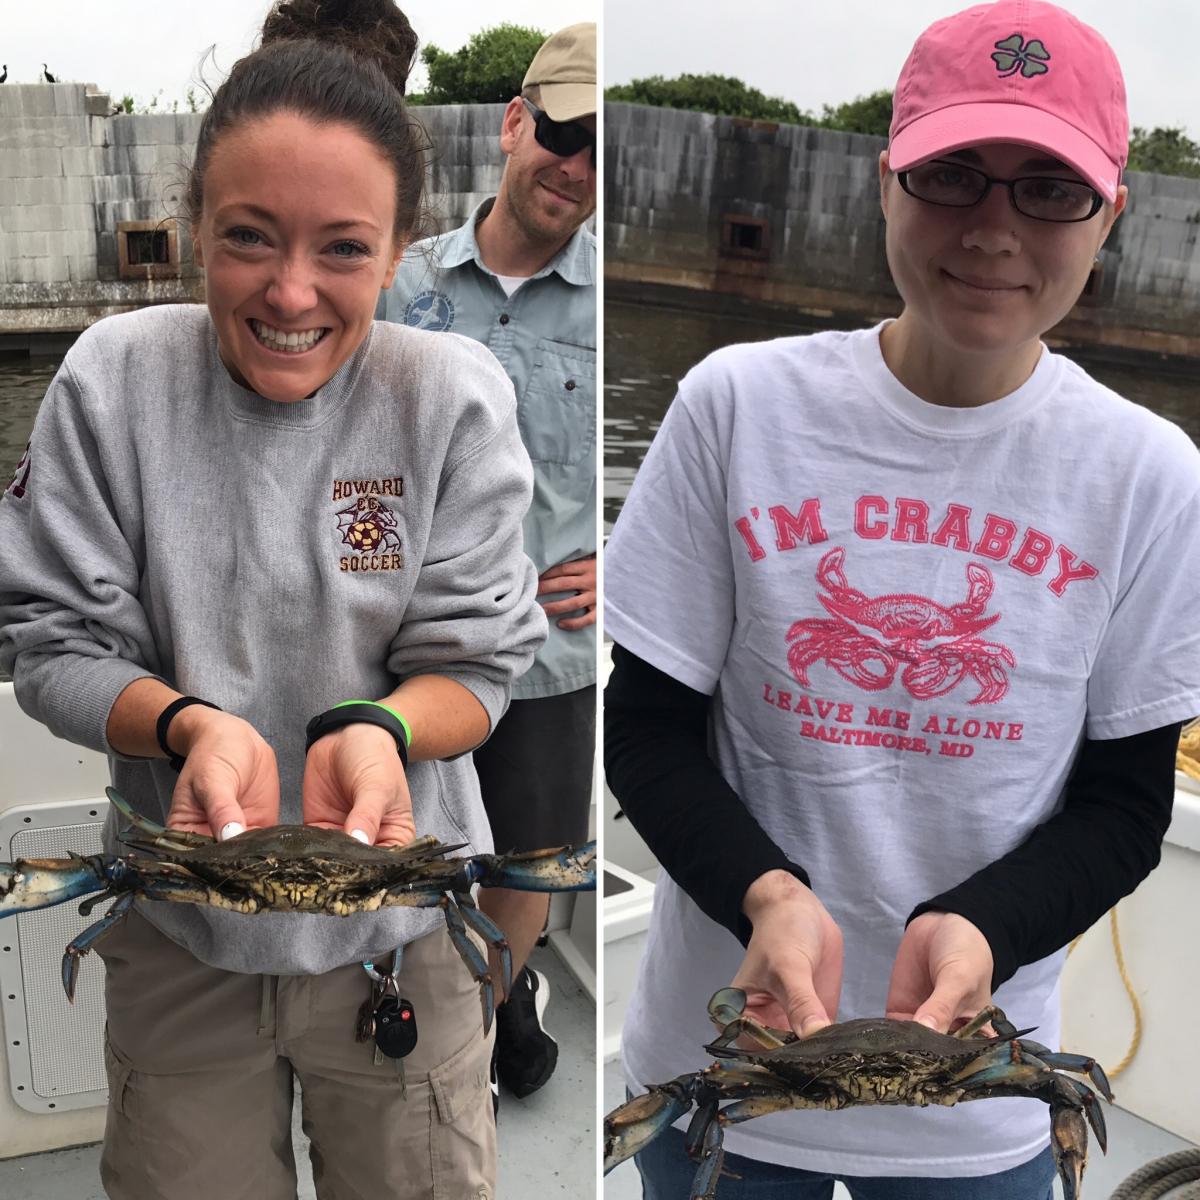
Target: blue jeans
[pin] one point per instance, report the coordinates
(667, 1174)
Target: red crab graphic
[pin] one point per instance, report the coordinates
(870, 637)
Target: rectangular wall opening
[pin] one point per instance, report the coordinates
(745, 237)
(148, 249)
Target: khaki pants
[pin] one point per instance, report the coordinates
(201, 1064)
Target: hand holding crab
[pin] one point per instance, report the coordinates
(868, 1061)
(354, 781)
(792, 971)
(230, 781)
(942, 973)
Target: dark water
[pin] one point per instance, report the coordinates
(23, 383)
(648, 349)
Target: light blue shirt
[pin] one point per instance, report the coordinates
(544, 336)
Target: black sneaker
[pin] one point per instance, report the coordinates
(526, 1054)
(494, 1085)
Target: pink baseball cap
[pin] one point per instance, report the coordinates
(1015, 71)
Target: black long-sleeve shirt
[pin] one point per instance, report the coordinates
(1065, 875)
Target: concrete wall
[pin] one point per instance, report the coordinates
(673, 177)
(69, 171)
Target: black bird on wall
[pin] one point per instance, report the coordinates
(4, 77)
(46, 74)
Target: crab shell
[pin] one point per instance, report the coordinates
(872, 1060)
(302, 867)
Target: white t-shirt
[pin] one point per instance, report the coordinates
(907, 616)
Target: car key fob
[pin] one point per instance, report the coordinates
(395, 1026)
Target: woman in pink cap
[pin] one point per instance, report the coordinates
(917, 729)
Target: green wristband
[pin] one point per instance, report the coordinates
(386, 708)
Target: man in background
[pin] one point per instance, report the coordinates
(520, 277)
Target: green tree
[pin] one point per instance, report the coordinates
(863, 114)
(1167, 151)
(719, 94)
(487, 70)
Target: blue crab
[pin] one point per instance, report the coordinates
(866, 1061)
(291, 868)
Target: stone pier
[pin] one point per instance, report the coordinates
(788, 215)
(89, 201)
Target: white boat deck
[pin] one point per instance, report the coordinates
(1132, 1143)
(547, 1141)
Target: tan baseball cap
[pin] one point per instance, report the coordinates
(564, 69)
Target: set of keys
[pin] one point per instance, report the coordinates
(386, 1017)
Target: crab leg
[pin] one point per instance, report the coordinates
(88, 938)
(475, 962)
(170, 883)
(706, 1134)
(707, 1138)
(979, 1020)
(1081, 1064)
(1012, 1070)
(726, 1009)
(164, 838)
(1070, 1102)
(492, 934)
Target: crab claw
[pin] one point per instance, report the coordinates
(569, 869)
(636, 1123)
(1069, 1138)
(33, 883)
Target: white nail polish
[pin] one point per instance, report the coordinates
(231, 830)
(361, 836)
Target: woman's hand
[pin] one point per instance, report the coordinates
(943, 972)
(354, 780)
(792, 972)
(229, 782)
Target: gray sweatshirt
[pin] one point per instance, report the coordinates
(274, 559)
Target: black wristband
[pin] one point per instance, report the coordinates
(365, 712)
(175, 761)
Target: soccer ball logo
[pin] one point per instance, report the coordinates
(367, 526)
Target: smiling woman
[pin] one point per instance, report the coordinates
(296, 238)
(294, 591)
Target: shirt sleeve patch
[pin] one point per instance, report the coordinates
(432, 310)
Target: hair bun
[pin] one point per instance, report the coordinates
(374, 29)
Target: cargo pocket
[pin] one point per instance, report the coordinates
(118, 1073)
(557, 412)
(463, 1127)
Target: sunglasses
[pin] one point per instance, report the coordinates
(564, 138)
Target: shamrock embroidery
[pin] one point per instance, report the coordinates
(1014, 53)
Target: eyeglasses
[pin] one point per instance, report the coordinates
(1042, 197)
(564, 138)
